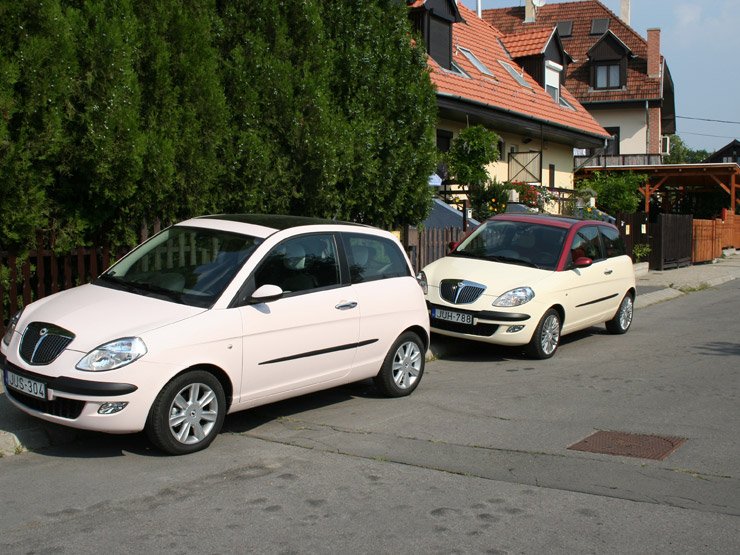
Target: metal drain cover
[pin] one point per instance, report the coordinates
(629, 445)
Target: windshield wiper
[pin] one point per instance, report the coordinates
(466, 254)
(511, 260)
(146, 289)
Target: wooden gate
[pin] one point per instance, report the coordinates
(671, 241)
(525, 167)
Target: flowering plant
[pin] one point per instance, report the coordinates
(535, 196)
(489, 199)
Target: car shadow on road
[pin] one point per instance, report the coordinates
(248, 420)
(464, 350)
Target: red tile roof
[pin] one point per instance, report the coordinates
(510, 21)
(528, 43)
(502, 91)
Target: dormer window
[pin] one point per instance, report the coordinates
(433, 19)
(608, 63)
(607, 75)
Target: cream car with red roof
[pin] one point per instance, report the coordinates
(528, 279)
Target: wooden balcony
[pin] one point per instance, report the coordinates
(610, 160)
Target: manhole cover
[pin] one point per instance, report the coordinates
(629, 445)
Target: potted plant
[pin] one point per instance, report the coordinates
(639, 253)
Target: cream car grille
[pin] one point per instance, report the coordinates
(460, 291)
(42, 343)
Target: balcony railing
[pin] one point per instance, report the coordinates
(607, 160)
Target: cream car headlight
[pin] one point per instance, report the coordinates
(421, 277)
(113, 355)
(11, 327)
(515, 297)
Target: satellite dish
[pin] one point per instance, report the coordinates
(538, 3)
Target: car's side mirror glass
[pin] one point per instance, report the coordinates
(583, 262)
(265, 294)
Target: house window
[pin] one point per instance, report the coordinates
(454, 68)
(444, 142)
(612, 145)
(551, 169)
(473, 59)
(565, 28)
(607, 75)
(599, 26)
(552, 79)
(519, 78)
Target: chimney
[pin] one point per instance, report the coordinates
(653, 55)
(625, 11)
(530, 12)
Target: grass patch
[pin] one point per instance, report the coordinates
(693, 288)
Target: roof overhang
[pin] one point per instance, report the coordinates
(456, 108)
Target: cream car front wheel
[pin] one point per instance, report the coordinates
(546, 336)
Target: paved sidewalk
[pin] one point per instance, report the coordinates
(661, 286)
(19, 432)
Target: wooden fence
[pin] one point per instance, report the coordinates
(712, 236)
(675, 241)
(44, 273)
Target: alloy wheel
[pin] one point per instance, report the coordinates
(406, 365)
(193, 413)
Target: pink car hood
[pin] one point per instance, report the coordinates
(98, 314)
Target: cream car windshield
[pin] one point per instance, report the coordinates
(187, 265)
(523, 243)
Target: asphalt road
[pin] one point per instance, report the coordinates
(476, 460)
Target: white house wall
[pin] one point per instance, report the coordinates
(632, 125)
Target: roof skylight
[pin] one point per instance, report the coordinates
(454, 68)
(480, 66)
(599, 25)
(515, 74)
(565, 28)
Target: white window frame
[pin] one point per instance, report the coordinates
(473, 59)
(552, 79)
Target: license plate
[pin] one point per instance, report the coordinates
(25, 385)
(450, 316)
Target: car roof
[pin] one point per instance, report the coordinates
(265, 225)
(548, 219)
(274, 221)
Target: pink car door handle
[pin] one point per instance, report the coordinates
(346, 305)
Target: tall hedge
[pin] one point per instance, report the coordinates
(117, 113)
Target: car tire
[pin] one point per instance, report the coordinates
(623, 318)
(187, 414)
(546, 337)
(403, 366)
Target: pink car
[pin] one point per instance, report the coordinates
(216, 315)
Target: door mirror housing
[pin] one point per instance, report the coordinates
(583, 262)
(265, 294)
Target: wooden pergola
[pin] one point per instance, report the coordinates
(694, 177)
